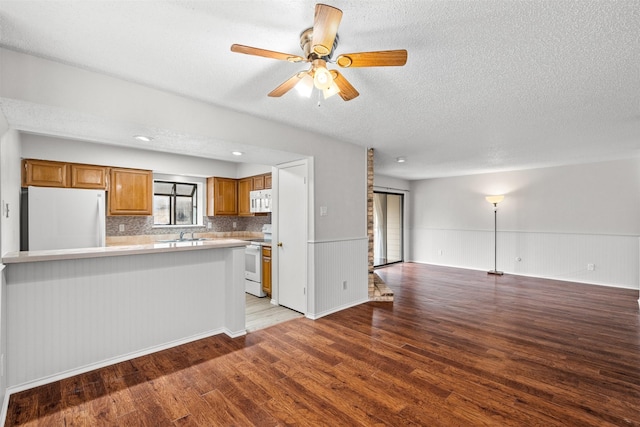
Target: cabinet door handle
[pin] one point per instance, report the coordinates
(279, 244)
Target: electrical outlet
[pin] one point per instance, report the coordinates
(208, 225)
(235, 224)
(121, 227)
(591, 267)
(323, 211)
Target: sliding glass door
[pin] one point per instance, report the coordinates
(387, 228)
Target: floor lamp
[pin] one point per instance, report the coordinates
(495, 200)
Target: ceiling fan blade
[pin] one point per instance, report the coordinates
(325, 27)
(288, 84)
(383, 58)
(347, 92)
(238, 48)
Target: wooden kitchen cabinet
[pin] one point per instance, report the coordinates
(44, 173)
(266, 270)
(244, 202)
(262, 182)
(130, 192)
(222, 196)
(258, 182)
(88, 176)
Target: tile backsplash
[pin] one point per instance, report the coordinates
(143, 225)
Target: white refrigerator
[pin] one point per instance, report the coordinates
(62, 218)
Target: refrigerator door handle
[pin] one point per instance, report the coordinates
(101, 222)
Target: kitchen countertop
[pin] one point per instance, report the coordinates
(122, 250)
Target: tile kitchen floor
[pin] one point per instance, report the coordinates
(260, 313)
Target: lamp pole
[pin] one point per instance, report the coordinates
(494, 200)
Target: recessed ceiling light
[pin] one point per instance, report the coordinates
(237, 153)
(143, 138)
(400, 159)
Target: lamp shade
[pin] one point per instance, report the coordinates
(494, 199)
(322, 78)
(305, 86)
(331, 90)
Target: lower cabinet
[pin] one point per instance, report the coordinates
(266, 270)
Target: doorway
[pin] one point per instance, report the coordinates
(388, 228)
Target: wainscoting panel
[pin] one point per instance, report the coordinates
(609, 260)
(338, 278)
(68, 316)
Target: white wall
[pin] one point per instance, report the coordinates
(556, 220)
(248, 169)
(390, 184)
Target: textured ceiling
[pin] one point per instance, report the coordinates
(488, 86)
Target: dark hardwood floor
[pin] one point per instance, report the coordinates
(456, 348)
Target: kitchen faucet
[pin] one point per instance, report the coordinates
(182, 233)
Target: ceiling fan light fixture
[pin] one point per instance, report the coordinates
(322, 78)
(305, 86)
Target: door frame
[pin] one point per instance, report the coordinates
(406, 255)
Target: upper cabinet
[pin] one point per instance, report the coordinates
(261, 182)
(44, 173)
(88, 176)
(229, 196)
(130, 192)
(244, 202)
(258, 182)
(222, 196)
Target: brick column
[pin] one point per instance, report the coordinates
(370, 157)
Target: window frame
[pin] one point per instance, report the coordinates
(173, 195)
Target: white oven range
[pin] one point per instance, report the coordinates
(253, 270)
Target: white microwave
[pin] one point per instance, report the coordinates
(260, 201)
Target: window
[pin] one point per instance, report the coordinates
(175, 203)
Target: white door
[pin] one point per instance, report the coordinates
(292, 237)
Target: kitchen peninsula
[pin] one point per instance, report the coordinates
(71, 311)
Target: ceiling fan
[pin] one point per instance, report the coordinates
(318, 44)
